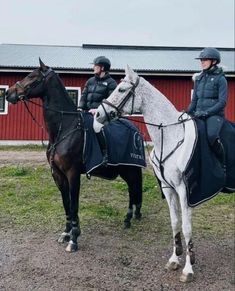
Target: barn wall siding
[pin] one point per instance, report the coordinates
(19, 125)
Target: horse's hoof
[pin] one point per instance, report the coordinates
(186, 278)
(127, 224)
(172, 266)
(65, 237)
(138, 216)
(71, 247)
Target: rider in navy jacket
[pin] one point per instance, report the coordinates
(210, 93)
(210, 98)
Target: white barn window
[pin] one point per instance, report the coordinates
(3, 102)
(74, 94)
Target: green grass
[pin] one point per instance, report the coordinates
(29, 147)
(30, 200)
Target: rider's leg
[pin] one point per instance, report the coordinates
(98, 128)
(214, 125)
(219, 151)
(103, 145)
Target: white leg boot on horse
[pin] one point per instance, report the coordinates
(174, 207)
(175, 202)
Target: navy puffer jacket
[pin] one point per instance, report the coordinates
(210, 92)
(96, 89)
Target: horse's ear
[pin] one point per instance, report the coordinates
(130, 73)
(128, 70)
(42, 65)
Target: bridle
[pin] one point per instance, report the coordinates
(26, 90)
(131, 93)
(24, 95)
(118, 109)
(43, 78)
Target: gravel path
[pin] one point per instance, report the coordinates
(106, 260)
(22, 157)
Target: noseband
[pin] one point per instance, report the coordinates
(21, 96)
(118, 108)
(26, 89)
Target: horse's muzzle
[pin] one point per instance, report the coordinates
(12, 97)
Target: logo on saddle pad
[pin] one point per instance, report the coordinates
(137, 140)
(138, 147)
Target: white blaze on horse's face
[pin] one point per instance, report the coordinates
(122, 99)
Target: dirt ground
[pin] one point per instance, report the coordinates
(106, 260)
(22, 157)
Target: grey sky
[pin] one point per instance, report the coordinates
(132, 22)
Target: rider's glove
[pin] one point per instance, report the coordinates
(201, 114)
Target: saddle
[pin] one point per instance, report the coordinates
(204, 175)
(124, 144)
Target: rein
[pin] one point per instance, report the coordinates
(130, 94)
(50, 109)
(162, 159)
(180, 120)
(34, 119)
(58, 140)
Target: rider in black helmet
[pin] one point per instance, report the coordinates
(103, 61)
(210, 53)
(97, 88)
(210, 98)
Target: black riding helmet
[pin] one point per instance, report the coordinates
(211, 54)
(103, 61)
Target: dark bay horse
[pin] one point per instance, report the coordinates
(65, 149)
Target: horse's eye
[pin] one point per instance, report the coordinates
(121, 90)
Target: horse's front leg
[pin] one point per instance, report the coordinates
(174, 208)
(61, 182)
(74, 189)
(134, 181)
(187, 273)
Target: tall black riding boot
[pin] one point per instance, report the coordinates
(219, 151)
(103, 146)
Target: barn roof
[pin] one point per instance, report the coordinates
(79, 58)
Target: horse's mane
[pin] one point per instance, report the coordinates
(57, 83)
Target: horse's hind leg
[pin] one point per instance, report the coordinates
(62, 183)
(133, 178)
(174, 207)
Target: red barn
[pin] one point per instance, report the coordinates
(170, 69)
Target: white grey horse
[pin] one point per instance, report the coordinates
(173, 144)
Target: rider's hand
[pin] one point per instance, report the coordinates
(93, 111)
(201, 114)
